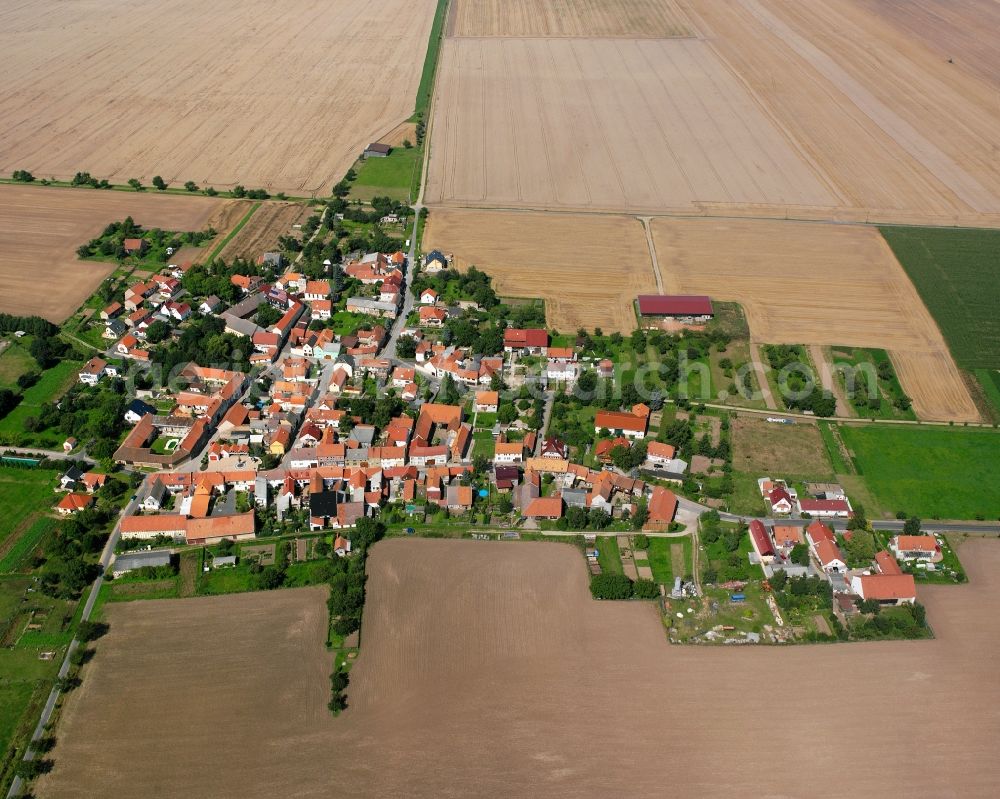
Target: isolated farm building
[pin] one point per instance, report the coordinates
(761, 541)
(549, 508)
(886, 589)
(140, 560)
(377, 150)
(916, 547)
(341, 546)
(134, 246)
(682, 307)
(662, 507)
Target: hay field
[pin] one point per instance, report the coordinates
(605, 124)
(588, 269)
(40, 229)
(811, 283)
(486, 670)
(655, 19)
(281, 95)
(779, 450)
(260, 234)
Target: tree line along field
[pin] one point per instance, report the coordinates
(486, 648)
(283, 96)
(43, 226)
(957, 275)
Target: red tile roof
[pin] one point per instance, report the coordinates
(674, 305)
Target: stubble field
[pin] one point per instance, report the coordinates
(805, 283)
(811, 109)
(484, 671)
(628, 18)
(41, 228)
(283, 95)
(588, 269)
(260, 233)
(604, 124)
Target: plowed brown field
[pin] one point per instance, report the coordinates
(806, 283)
(484, 672)
(588, 269)
(282, 95)
(40, 229)
(632, 18)
(261, 232)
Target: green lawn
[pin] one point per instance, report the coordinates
(25, 495)
(608, 554)
(485, 445)
(15, 361)
(660, 561)
(393, 176)
(53, 383)
(948, 473)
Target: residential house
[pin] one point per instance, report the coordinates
(428, 297)
(761, 541)
(530, 341)
(916, 547)
(487, 401)
(619, 423)
(93, 371)
(544, 508)
(886, 589)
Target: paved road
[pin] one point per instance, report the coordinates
(51, 454)
(399, 323)
(106, 557)
(543, 431)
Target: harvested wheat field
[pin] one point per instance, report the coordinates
(893, 127)
(588, 269)
(41, 228)
(281, 95)
(605, 124)
(260, 233)
(655, 19)
(813, 283)
(475, 663)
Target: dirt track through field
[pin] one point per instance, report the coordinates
(588, 269)
(41, 228)
(281, 95)
(484, 671)
(806, 283)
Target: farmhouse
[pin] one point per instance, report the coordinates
(688, 308)
(662, 507)
(886, 589)
(74, 503)
(830, 557)
(487, 401)
(825, 508)
(531, 340)
(916, 547)
(761, 541)
(619, 423)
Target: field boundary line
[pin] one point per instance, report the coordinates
(232, 234)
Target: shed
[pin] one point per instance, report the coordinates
(377, 150)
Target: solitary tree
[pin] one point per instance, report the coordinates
(135, 184)
(191, 186)
(159, 183)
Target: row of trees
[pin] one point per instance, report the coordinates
(618, 586)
